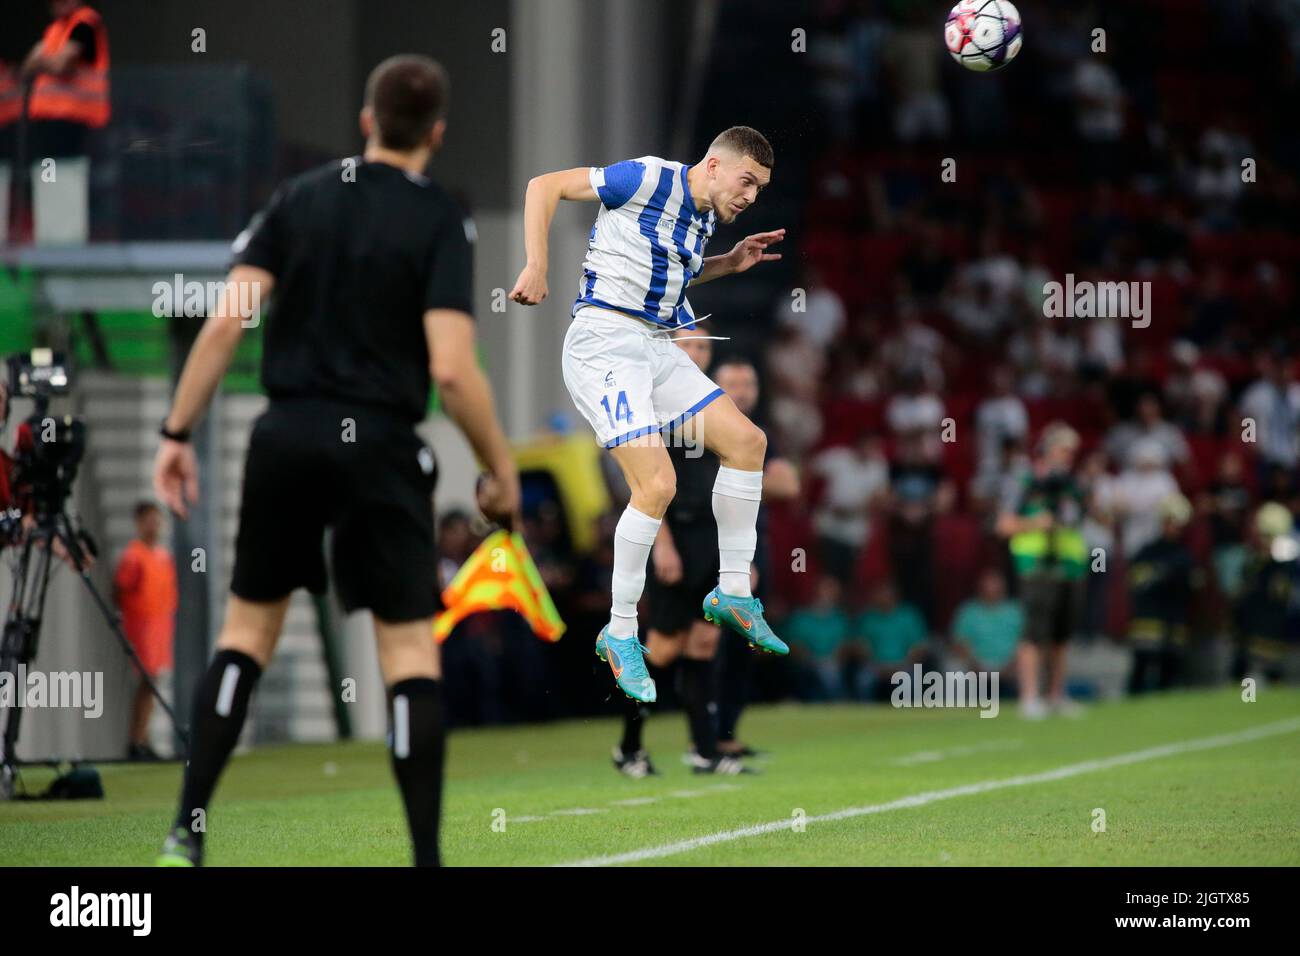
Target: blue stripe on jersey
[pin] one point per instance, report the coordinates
(589, 274)
(622, 180)
(700, 236)
(686, 216)
(648, 219)
(688, 201)
(591, 300)
(679, 240)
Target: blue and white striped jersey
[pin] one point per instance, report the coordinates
(647, 243)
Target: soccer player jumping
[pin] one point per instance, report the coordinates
(630, 380)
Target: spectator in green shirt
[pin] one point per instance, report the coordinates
(895, 636)
(986, 629)
(818, 636)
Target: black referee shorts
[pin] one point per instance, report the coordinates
(675, 607)
(364, 473)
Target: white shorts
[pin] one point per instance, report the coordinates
(629, 379)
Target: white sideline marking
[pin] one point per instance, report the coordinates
(933, 756)
(632, 802)
(690, 794)
(933, 796)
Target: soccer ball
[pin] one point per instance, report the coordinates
(983, 35)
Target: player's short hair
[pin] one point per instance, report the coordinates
(143, 508)
(407, 94)
(746, 141)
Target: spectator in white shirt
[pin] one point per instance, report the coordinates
(917, 412)
(822, 316)
(1134, 497)
(1150, 426)
(856, 478)
(1273, 405)
(1000, 416)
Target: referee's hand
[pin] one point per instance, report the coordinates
(498, 499)
(176, 476)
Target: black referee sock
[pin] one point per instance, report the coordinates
(417, 744)
(634, 716)
(220, 707)
(736, 661)
(701, 708)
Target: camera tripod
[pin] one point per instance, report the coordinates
(22, 625)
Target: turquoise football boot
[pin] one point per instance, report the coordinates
(744, 615)
(624, 656)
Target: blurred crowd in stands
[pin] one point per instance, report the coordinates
(912, 371)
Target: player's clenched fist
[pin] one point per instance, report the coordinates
(530, 287)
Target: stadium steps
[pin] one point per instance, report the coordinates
(122, 414)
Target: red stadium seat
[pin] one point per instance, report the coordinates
(957, 550)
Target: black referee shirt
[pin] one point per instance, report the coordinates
(357, 263)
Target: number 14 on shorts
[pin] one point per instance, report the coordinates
(622, 410)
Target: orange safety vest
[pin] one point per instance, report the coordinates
(11, 95)
(82, 95)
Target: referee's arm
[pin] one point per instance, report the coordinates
(467, 397)
(176, 472)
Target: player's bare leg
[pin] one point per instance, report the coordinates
(409, 661)
(649, 474)
(248, 638)
(741, 446)
(652, 481)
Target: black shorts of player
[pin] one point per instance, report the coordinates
(675, 607)
(1053, 608)
(360, 471)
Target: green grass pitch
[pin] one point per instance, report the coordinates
(1198, 789)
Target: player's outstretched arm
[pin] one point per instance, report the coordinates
(746, 254)
(540, 202)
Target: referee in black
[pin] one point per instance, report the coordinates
(370, 264)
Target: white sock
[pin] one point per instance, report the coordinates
(736, 495)
(633, 537)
